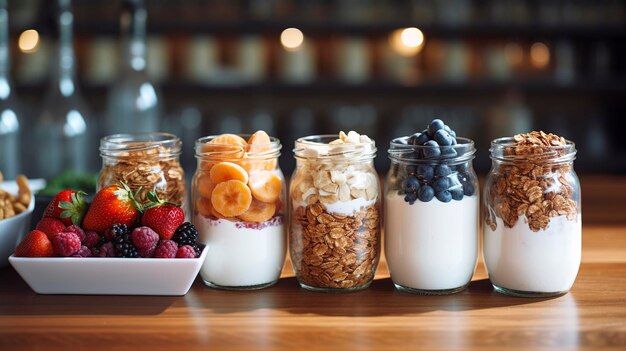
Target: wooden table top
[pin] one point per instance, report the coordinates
(591, 316)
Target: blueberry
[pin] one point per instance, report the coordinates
(410, 184)
(444, 196)
(425, 172)
(452, 133)
(426, 193)
(441, 184)
(411, 169)
(453, 140)
(442, 171)
(432, 151)
(443, 138)
(448, 152)
(462, 167)
(434, 126)
(402, 141)
(468, 189)
(413, 139)
(457, 193)
(410, 198)
(447, 128)
(422, 139)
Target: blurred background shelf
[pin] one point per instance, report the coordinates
(384, 68)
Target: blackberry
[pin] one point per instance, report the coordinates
(123, 242)
(126, 249)
(198, 249)
(186, 234)
(120, 230)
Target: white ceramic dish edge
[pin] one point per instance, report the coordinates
(12, 231)
(109, 276)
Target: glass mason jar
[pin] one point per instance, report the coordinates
(335, 214)
(431, 218)
(238, 197)
(532, 227)
(145, 162)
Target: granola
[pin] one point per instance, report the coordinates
(537, 187)
(146, 171)
(335, 251)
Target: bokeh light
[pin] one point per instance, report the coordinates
(292, 39)
(28, 41)
(407, 41)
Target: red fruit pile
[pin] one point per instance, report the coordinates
(113, 225)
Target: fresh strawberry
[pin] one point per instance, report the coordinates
(115, 204)
(69, 206)
(35, 244)
(51, 226)
(162, 217)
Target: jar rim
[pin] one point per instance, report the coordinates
(399, 150)
(317, 147)
(546, 153)
(235, 150)
(168, 144)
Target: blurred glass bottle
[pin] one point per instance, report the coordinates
(9, 108)
(62, 133)
(133, 103)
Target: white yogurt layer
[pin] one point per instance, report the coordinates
(241, 256)
(546, 261)
(431, 245)
(346, 208)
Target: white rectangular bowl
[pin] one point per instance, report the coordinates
(11, 232)
(109, 275)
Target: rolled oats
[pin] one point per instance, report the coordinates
(537, 189)
(335, 251)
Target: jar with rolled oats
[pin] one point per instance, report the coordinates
(145, 162)
(335, 212)
(532, 228)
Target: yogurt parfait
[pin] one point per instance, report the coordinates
(238, 196)
(532, 229)
(431, 211)
(335, 216)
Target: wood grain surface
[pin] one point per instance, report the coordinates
(286, 317)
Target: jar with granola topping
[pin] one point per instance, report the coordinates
(238, 192)
(532, 228)
(335, 212)
(145, 162)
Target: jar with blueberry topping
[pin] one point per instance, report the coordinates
(431, 211)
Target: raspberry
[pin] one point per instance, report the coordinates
(145, 238)
(91, 239)
(146, 253)
(83, 252)
(76, 230)
(186, 251)
(66, 244)
(106, 250)
(166, 249)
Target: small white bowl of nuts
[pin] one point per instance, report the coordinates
(15, 211)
